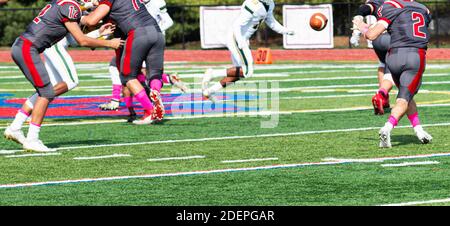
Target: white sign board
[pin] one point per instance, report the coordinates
(215, 23)
(296, 18)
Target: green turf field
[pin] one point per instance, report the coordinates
(323, 149)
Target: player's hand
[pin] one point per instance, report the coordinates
(116, 43)
(359, 24)
(354, 40)
(107, 29)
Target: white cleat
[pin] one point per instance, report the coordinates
(36, 146)
(207, 77)
(176, 81)
(113, 105)
(385, 138)
(423, 136)
(145, 121)
(14, 135)
(209, 96)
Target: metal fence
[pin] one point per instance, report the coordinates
(185, 34)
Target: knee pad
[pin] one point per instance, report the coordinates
(382, 65)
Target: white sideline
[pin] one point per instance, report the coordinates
(411, 164)
(229, 138)
(102, 157)
(281, 166)
(176, 158)
(32, 155)
(249, 160)
(418, 202)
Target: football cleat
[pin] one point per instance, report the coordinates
(176, 81)
(36, 146)
(377, 102)
(385, 138)
(158, 110)
(113, 105)
(209, 96)
(146, 120)
(14, 135)
(423, 136)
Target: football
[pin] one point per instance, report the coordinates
(318, 21)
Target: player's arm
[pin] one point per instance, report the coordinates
(105, 30)
(386, 15)
(83, 40)
(276, 26)
(98, 14)
(375, 31)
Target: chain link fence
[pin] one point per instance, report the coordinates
(185, 34)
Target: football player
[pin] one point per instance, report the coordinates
(145, 42)
(252, 14)
(407, 22)
(380, 45)
(158, 10)
(53, 23)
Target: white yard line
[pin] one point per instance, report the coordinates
(230, 170)
(32, 155)
(229, 138)
(249, 160)
(176, 158)
(418, 202)
(102, 157)
(410, 164)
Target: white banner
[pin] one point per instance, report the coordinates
(296, 17)
(215, 23)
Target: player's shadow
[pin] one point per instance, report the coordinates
(78, 142)
(398, 140)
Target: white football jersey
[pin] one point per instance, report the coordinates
(253, 13)
(158, 10)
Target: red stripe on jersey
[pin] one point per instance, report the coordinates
(385, 19)
(26, 53)
(128, 52)
(418, 77)
(105, 2)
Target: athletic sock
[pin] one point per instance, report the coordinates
(142, 97)
(33, 131)
(117, 89)
(414, 119)
(219, 73)
(392, 122)
(31, 101)
(383, 92)
(128, 101)
(156, 84)
(19, 120)
(215, 88)
(166, 79)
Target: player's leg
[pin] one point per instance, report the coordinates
(413, 116)
(412, 65)
(136, 48)
(128, 99)
(114, 103)
(30, 63)
(155, 69)
(243, 68)
(381, 99)
(175, 80)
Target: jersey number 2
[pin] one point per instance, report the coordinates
(419, 23)
(42, 13)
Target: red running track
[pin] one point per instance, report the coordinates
(223, 55)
